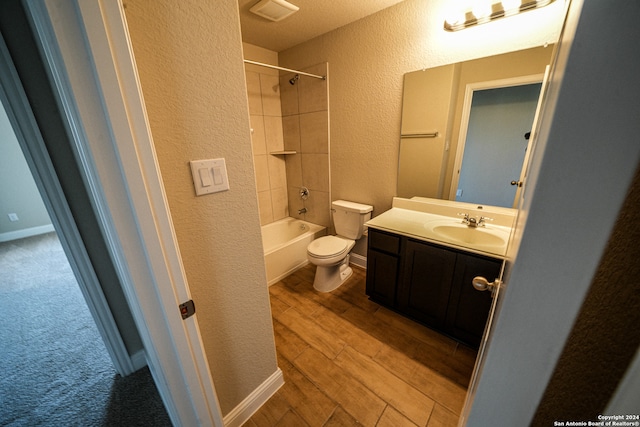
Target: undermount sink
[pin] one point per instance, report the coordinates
(461, 234)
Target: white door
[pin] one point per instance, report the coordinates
(530, 146)
(498, 285)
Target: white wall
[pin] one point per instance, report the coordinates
(18, 191)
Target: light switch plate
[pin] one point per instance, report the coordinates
(209, 176)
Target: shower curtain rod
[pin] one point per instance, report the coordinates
(285, 69)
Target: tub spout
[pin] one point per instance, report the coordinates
(302, 211)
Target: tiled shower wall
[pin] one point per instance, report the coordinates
(266, 124)
(305, 120)
(292, 118)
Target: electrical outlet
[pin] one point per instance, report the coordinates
(13, 217)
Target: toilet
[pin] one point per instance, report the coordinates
(331, 253)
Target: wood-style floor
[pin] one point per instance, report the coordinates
(348, 361)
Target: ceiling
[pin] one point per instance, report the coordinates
(314, 18)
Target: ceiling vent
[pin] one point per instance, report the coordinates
(274, 10)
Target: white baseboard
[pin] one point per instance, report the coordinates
(139, 360)
(359, 260)
(26, 232)
(241, 413)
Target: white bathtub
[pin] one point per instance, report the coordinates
(285, 246)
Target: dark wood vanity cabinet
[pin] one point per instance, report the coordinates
(468, 308)
(430, 283)
(423, 291)
(383, 261)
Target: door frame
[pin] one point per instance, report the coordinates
(137, 224)
(16, 105)
(512, 250)
(466, 112)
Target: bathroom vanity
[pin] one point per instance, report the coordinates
(422, 257)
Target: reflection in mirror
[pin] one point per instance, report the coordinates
(494, 144)
(434, 101)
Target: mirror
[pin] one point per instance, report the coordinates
(438, 123)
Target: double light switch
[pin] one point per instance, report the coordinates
(209, 176)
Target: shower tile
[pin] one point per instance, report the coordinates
(264, 206)
(318, 208)
(273, 133)
(315, 171)
(270, 89)
(253, 93)
(312, 92)
(294, 170)
(295, 202)
(260, 163)
(291, 132)
(314, 132)
(258, 141)
(288, 95)
(279, 202)
(277, 171)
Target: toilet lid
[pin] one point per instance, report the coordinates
(327, 246)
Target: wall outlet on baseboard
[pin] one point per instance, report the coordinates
(13, 217)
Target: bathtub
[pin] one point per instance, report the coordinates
(285, 246)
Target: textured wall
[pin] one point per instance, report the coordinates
(368, 59)
(189, 56)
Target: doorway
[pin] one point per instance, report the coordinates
(494, 140)
(53, 357)
(499, 125)
(55, 365)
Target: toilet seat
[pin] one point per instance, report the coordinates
(327, 247)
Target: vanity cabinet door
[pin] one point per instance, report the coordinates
(383, 266)
(426, 283)
(468, 308)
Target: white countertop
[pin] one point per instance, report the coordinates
(423, 226)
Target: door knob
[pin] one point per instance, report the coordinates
(518, 183)
(482, 284)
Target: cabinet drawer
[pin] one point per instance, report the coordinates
(384, 242)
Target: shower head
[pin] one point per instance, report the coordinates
(293, 80)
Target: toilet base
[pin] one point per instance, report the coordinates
(330, 278)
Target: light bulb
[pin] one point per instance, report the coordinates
(481, 9)
(511, 5)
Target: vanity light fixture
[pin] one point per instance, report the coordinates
(490, 12)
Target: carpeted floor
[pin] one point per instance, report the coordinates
(54, 368)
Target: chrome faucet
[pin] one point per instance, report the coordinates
(483, 219)
(472, 221)
(302, 211)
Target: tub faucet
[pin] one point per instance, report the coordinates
(302, 211)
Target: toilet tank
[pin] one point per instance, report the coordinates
(349, 218)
